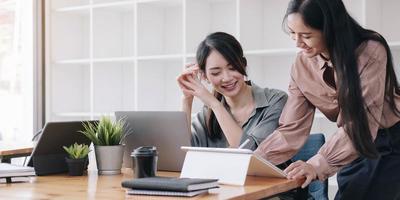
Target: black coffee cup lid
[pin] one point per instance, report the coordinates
(145, 151)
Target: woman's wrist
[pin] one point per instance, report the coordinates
(187, 104)
(187, 99)
(215, 105)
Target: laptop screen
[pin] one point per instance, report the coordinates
(167, 130)
(48, 156)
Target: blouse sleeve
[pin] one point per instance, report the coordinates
(294, 127)
(339, 150)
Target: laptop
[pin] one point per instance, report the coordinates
(166, 130)
(48, 156)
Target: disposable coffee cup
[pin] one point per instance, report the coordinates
(144, 161)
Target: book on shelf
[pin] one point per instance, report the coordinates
(11, 170)
(165, 193)
(169, 184)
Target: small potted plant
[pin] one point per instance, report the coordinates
(107, 136)
(78, 158)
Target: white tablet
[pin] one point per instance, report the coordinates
(222, 150)
(229, 165)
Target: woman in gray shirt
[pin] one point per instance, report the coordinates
(238, 110)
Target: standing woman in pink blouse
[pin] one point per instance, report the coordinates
(346, 72)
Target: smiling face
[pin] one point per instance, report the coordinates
(309, 40)
(223, 76)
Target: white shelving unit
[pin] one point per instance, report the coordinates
(108, 55)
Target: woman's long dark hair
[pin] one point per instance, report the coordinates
(343, 35)
(232, 51)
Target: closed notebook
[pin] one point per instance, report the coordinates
(165, 193)
(170, 184)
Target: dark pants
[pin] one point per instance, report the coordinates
(374, 178)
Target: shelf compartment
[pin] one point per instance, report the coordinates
(390, 12)
(261, 25)
(70, 35)
(380, 16)
(207, 16)
(97, 60)
(394, 45)
(63, 4)
(157, 86)
(271, 52)
(114, 60)
(72, 61)
(113, 31)
(75, 9)
(75, 116)
(100, 4)
(70, 88)
(356, 10)
(161, 57)
(113, 87)
(396, 62)
(106, 3)
(71, 116)
(159, 28)
(270, 71)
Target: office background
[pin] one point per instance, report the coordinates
(108, 55)
(101, 56)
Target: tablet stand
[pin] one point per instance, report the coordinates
(227, 165)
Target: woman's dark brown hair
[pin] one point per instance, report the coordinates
(343, 35)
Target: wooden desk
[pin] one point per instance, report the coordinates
(12, 150)
(93, 186)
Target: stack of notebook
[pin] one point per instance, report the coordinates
(168, 186)
(15, 172)
(10, 170)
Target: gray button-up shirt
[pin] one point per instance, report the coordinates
(261, 123)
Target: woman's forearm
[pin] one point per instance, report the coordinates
(187, 108)
(233, 132)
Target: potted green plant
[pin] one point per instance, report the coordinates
(77, 159)
(107, 136)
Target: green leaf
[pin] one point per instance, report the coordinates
(77, 151)
(105, 132)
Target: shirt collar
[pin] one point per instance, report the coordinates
(323, 62)
(259, 96)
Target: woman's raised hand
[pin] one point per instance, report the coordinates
(191, 70)
(191, 85)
